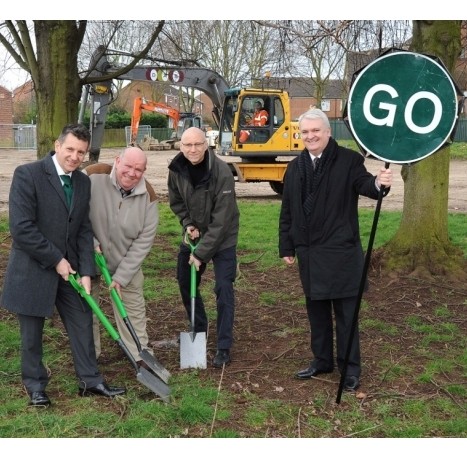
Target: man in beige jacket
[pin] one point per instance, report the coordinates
(124, 216)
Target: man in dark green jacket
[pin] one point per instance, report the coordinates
(319, 225)
(202, 195)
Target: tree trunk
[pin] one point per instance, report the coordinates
(421, 245)
(56, 79)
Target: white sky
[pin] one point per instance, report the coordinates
(241, 9)
(209, 9)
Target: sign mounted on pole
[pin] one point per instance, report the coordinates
(402, 107)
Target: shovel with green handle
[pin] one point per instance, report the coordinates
(192, 344)
(146, 357)
(144, 376)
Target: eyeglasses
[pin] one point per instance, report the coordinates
(194, 145)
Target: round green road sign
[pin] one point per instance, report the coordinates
(402, 107)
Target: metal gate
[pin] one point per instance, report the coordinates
(18, 136)
(144, 131)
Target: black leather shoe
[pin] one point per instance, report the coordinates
(351, 383)
(39, 399)
(222, 357)
(310, 372)
(102, 390)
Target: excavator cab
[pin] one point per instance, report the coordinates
(257, 126)
(187, 120)
(254, 120)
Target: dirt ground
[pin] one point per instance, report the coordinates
(272, 336)
(157, 175)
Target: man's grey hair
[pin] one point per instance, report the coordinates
(314, 114)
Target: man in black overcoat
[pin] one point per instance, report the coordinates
(319, 226)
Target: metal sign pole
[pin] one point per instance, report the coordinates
(360, 291)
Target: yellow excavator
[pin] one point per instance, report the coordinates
(255, 153)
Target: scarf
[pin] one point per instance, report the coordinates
(312, 176)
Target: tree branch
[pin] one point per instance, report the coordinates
(88, 79)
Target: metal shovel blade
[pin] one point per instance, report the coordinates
(147, 358)
(193, 350)
(154, 384)
(155, 365)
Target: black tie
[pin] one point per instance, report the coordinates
(67, 188)
(124, 192)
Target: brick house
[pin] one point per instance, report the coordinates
(6, 106)
(24, 100)
(303, 94)
(6, 116)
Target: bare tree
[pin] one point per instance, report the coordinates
(319, 50)
(52, 61)
(421, 245)
(320, 56)
(237, 50)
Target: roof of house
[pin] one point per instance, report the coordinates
(306, 87)
(4, 90)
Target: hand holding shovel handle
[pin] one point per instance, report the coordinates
(187, 240)
(73, 279)
(192, 344)
(102, 264)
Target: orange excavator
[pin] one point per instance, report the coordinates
(179, 121)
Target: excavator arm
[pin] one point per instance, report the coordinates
(141, 104)
(203, 79)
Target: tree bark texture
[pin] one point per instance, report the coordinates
(421, 245)
(56, 79)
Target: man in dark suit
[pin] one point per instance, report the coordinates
(52, 238)
(319, 226)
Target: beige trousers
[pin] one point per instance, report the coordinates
(135, 306)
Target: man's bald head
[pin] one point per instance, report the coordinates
(130, 167)
(134, 153)
(194, 132)
(194, 145)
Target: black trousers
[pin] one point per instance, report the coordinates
(225, 267)
(77, 319)
(321, 326)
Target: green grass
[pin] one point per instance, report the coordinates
(458, 150)
(381, 326)
(199, 408)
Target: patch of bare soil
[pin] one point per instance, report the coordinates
(157, 173)
(272, 339)
(272, 343)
